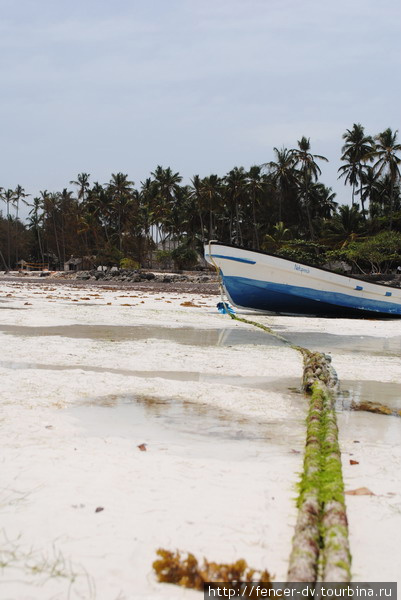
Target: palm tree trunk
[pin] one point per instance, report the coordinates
(254, 222)
(8, 237)
(40, 245)
(311, 231)
(56, 237)
(360, 192)
(391, 202)
(16, 233)
(280, 204)
(201, 225)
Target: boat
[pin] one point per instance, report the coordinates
(263, 282)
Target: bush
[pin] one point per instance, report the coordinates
(184, 257)
(303, 251)
(164, 258)
(129, 263)
(109, 255)
(378, 253)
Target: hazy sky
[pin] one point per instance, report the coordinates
(198, 85)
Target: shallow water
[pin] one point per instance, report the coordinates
(354, 391)
(186, 427)
(181, 335)
(264, 383)
(327, 342)
(369, 428)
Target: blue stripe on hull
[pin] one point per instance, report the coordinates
(277, 297)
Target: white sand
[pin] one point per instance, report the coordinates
(205, 484)
(202, 486)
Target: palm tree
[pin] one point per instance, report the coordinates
(68, 210)
(255, 185)
(35, 220)
(276, 239)
(99, 203)
(19, 196)
(196, 196)
(83, 185)
(121, 191)
(167, 186)
(371, 190)
(50, 206)
(235, 181)
(283, 175)
(322, 200)
(310, 171)
(146, 201)
(345, 226)
(210, 191)
(387, 161)
(356, 151)
(8, 197)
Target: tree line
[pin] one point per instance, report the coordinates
(279, 206)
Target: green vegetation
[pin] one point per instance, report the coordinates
(184, 257)
(280, 206)
(129, 263)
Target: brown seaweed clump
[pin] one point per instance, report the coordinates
(175, 567)
(375, 407)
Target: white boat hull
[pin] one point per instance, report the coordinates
(268, 283)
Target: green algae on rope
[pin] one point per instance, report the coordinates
(321, 533)
(320, 547)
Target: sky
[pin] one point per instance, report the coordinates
(200, 86)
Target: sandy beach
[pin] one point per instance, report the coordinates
(88, 374)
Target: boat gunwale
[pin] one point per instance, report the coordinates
(306, 264)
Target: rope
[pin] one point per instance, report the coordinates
(321, 532)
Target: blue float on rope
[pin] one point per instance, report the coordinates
(224, 308)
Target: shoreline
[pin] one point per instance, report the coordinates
(186, 287)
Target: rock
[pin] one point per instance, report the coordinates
(83, 275)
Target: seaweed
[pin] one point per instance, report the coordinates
(186, 571)
(375, 407)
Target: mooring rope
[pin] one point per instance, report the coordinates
(320, 545)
